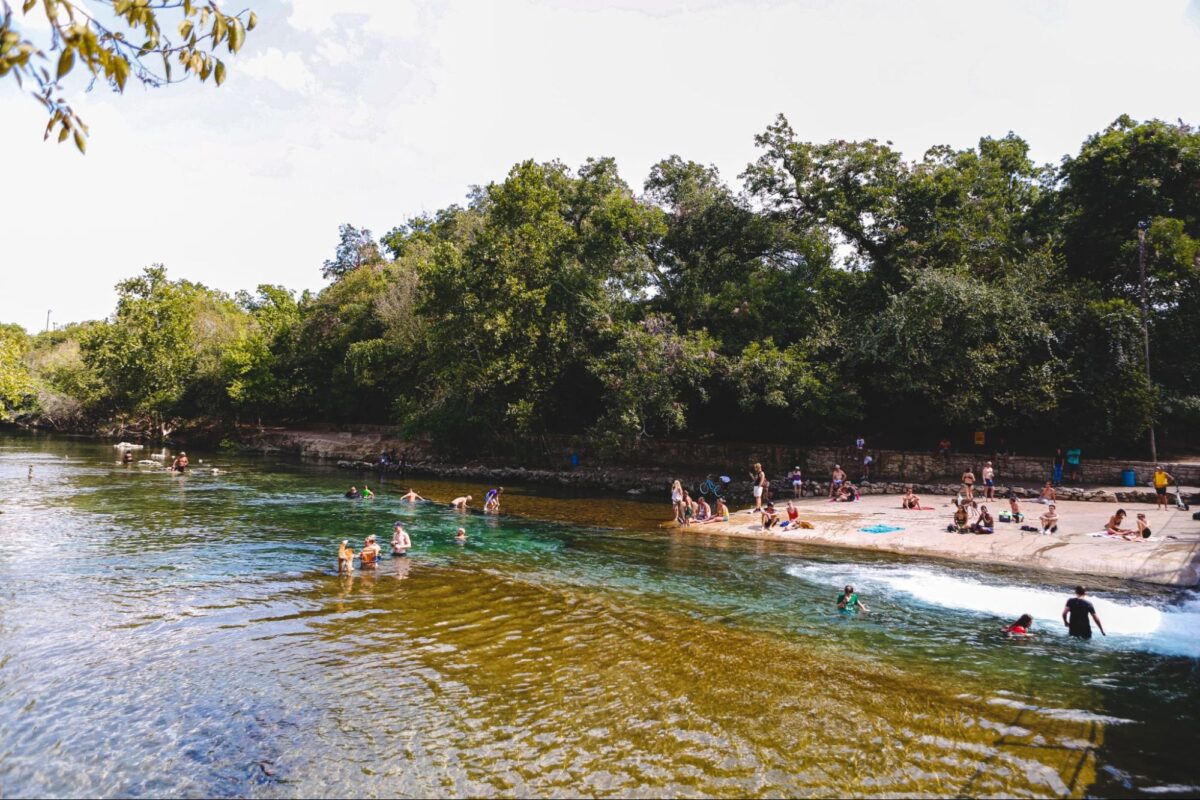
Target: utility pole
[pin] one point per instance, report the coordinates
(48, 310)
(1141, 229)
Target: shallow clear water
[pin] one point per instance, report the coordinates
(188, 636)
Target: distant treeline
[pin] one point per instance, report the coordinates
(839, 289)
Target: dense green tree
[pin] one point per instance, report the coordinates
(356, 248)
(556, 260)
(846, 289)
(648, 374)
(15, 381)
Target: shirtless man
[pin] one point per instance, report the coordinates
(400, 540)
(910, 501)
(180, 464)
(412, 497)
(1047, 496)
(460, 503)
(461, 536)
(836, 479)
(1049, 521)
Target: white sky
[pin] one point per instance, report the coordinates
(372, 111)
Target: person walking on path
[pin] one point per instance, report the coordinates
(989, 481)
(1076, 616)
(1059, 461)
(1161, 479)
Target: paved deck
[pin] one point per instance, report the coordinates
(1171, 557)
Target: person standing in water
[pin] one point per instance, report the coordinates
(460, 503)
(491, 501)
(461, 536)
(848, 601)
(411, 497)
(1077, 616)
(180, 464)
(400, 540)
(367, 494)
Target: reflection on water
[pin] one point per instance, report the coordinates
(189, 635)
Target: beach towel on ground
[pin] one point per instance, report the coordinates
(880, 529)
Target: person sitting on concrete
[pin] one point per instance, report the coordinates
(1014, 507)
(1113, 527)
(910, 502)
(770, 517)
(1143, 527)
(960, 518)
(1049, 521)
(985, 523)
(1047, 495)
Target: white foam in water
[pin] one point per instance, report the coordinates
(1171, 631)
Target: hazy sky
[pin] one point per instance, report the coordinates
(372, 111)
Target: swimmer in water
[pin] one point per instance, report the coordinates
(460, 503)
(400, 540)
(367, 494)
(180, 464)
(848, 601)
(1021, 627)
(461, 535)
(412, 497)
(353, 494)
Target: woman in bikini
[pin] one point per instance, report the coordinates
(910, 502)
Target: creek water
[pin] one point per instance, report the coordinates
(166, 635)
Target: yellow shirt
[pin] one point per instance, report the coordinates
(1160, 479)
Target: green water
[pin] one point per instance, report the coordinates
(189, 636)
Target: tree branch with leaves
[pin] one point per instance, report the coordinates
(115, 40)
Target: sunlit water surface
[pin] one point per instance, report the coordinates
(189, 636)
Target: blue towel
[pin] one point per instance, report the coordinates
(880, 529)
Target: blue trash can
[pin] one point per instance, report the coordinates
(1129, 478)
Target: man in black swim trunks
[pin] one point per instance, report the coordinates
(1079, 610)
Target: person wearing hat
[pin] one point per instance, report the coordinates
(848, 601)
(370, 552)
(1161, 479)
(180, 464)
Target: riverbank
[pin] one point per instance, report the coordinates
(1170, 558)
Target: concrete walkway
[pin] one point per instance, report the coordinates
(1170, 557)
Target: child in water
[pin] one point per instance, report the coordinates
(461, 536)
(1020, 627)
